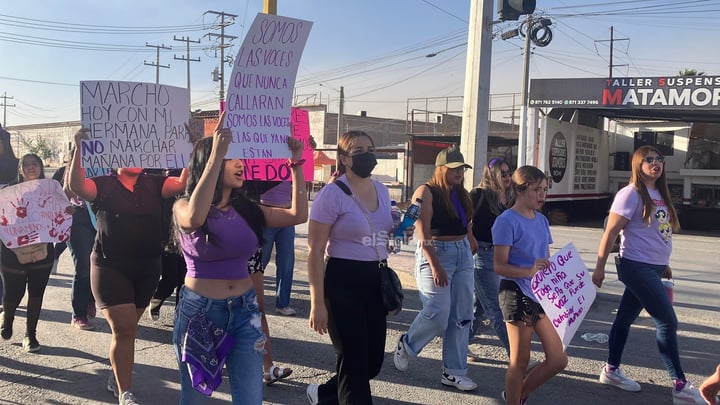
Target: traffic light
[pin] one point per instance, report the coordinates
(513, 9)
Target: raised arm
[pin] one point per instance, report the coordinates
(298, 211)
(191, 213)
(175, 185)
(84, 188)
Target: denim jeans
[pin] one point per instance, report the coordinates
(486, 296)
(80, 244)
(447, 311)
(284, 241)
(240, 318)
(644, 289)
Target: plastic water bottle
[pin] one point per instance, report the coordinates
(669, 286)
(396, 212)
(411, 215)
(595, 337)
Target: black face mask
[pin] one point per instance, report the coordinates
(363, 164)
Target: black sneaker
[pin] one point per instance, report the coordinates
(30, 344)
(154, 310)
(6, 331)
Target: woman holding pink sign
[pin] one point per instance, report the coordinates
(521, 237)
(19, 274)
(644, 212)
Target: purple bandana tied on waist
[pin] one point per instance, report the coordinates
(205, 349)
(458, 207)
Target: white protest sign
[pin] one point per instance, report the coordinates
(34, 212)
(565, 291)
(134, 124)
(257, 108)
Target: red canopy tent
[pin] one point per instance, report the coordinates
(321, 159)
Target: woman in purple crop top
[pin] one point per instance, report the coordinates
(219, 229)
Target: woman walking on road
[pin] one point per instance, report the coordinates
(125, 262)
(489, 199)
(444, 271)
(522, 248)
(644, 212)
(219, 229)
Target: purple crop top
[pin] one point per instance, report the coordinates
(226, 256)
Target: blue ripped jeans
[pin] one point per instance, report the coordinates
(447, 311)
(240, 318)
(487, 285)
(644, 289)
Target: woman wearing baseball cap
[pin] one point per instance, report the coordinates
(444, 270)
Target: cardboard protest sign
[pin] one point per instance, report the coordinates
(278, 169)
(34, 212)
(259, 97)
(565, 291)
(134, 124)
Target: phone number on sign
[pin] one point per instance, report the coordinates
(564, 102)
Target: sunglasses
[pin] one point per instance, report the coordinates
(651, 159)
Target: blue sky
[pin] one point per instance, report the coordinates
(375, 49)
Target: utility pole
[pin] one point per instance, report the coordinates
(223, 23)
(5, 105)
(270, 7)
(157, 60)
(523, 141)
(187, 58)
(476, 99)
(612, 46)
(341, 108)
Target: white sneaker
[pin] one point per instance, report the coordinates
(401, 358)
(458, 381)
(127, 398)
(688, 395)
(617, 379)
(312, 393)
(285, 311)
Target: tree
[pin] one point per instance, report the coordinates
(40, 147)
(690, 72)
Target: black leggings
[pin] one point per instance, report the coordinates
(14, 283)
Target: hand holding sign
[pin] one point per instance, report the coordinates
(296, 148)
(221, 138)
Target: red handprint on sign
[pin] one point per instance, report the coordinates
(3, 218)
(53, 232)
(28, 239)
(44, 201)
(21, 208)
(59, 218)
(64, 236)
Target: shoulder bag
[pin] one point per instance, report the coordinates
(391, 290)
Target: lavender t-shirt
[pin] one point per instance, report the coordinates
(350, 234)
(642, 241)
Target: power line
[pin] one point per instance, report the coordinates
(157, 60)
(187, 57)
(5, 105)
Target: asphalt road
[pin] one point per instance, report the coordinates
(72, 366)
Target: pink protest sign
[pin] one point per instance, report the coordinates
(34, 212)
(277, 169)
(565, 291)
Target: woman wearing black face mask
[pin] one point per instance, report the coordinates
(345, 295)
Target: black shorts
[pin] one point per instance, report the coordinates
(516, 306)
(255, 263)
(116, 282)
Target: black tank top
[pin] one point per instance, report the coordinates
(444, 223)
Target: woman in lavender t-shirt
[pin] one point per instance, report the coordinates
(345, 295)
(643, 211)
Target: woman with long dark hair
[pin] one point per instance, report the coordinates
(219, 229)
